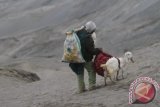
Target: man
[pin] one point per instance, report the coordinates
(88, 51)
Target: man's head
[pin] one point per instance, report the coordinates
(90, 27)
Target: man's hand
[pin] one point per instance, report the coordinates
(101, 49)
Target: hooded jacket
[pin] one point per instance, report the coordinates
(87, 45)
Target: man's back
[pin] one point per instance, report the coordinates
(87, 45)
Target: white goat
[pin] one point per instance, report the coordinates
(114, 65)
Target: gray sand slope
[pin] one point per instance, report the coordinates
(31, 40)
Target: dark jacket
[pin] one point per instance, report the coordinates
(88, 51)
(87, 45)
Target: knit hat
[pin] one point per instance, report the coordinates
(90, 26)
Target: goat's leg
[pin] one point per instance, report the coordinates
(117, 75)
(124, 77)
(105, 77)
(105, 83)
(122, 74)
(110, 77)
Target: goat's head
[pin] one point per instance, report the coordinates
(129, 56)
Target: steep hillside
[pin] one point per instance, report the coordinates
(31, 47)
(38, 25)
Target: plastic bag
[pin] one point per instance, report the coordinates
(72, 49)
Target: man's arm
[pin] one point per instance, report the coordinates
(90, 47)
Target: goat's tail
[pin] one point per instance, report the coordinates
(108, 69)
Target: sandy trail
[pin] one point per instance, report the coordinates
(57, 87)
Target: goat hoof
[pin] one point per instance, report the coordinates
(124, 78)
(117, 79)
(105, 84)
(113, 83)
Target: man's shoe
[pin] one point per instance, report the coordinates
(92, 88)
(81, 91)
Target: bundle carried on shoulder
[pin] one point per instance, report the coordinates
(101, 58)
(72, 49)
